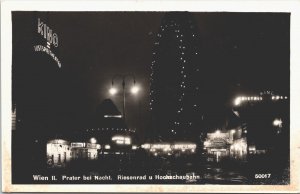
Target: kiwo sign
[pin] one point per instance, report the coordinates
(51, 39)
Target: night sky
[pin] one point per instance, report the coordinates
(242, 53)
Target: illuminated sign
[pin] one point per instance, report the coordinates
(184, 146)
(47, 33)
(146, 146)
(51, 39)
(218, 142)
(112, 116)
(77, 145)
(122, 140)
(218, 135)
(58, 141)
(93, 146)
(161, 146)
(217, 139)
(169, 147)
(218, 150)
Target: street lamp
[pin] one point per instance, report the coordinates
(93, 140)
(277, 123)
(237, 101)
(113, 91)
(134, 90)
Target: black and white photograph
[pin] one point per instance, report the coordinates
(172, 97)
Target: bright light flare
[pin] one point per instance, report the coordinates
(146, 146)
(135, 89)
(112, 116)
(122, 140)
(93, 140)
(277, 122)
(113, 91)
(237, 101)
(206, 143)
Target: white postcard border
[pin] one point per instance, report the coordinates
(138, 5)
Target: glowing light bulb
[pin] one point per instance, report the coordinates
(237, 101)
(93, 140)
(113, 91)
(135, 89)
(277, 122)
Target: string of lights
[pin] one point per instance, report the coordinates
(268, 95)
(174, 51)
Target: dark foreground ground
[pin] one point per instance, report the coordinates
(263, 169)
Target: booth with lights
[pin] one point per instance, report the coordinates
(227, 143)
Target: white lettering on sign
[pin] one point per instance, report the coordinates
(47, 33)
(51, 39)
(93, 146)
(77, 145)
(40, 48)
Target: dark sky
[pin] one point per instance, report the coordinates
(242, 52)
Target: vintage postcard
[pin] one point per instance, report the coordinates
(145, 96)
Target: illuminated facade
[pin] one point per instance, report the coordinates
(60, 152)
(174, 99)
(85, 150)
(266, 115)
(106, 134)
(230, 143)
(175, 149)
(262, 97)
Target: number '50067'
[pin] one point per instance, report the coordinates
(262, 176)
